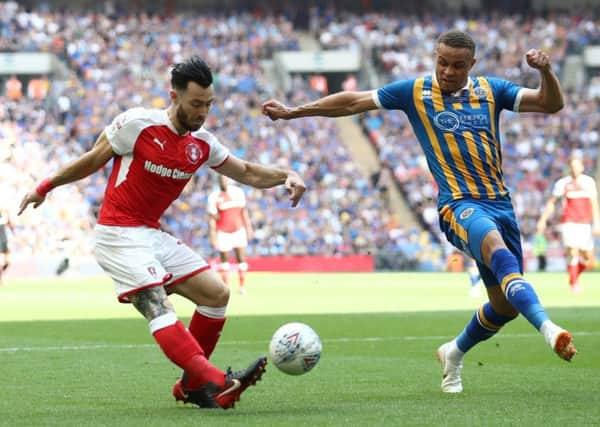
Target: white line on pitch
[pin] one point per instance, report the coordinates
(85, 347)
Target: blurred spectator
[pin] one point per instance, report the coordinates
(350, 83)
(38, 88)
(13, 88)
(318, 83)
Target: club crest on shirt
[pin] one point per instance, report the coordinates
(193, 153)
(480, 92)
(466, 213)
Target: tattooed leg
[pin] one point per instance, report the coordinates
(152, 302)
(176, 342)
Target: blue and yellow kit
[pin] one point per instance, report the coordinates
(460, 138)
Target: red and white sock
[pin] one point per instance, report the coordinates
(242, 270)
(206, 326)
(224, 268)
(182, 349)
(581, 267)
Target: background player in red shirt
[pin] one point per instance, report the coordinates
(230, 227)
(579, 220)
(155, 153)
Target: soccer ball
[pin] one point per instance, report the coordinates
(295, 348)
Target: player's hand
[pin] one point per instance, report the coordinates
(537, 59)
(541, 227)
(596, 230)
(32, 197)
(295, 187)
(276, 110)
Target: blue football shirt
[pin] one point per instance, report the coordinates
(458, 132)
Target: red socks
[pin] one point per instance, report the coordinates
(575, 271)
(207, 331)
(180, 346)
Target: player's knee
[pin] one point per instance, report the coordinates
(500, 304)
(221, 297)
(491, 243)
(504, 308)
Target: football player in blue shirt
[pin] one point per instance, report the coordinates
(455, 118)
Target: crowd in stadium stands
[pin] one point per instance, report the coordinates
(535, 146)
(118, 62)
(121, 62)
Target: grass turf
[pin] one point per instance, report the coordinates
(377, 367)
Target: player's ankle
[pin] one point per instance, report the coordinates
(202, 372)
(548, 330)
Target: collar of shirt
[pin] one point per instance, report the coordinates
(459, 92)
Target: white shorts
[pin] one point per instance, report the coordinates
(140, 257)
(228, 241)
(577, 236)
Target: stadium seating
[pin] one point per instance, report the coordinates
(343, 211)
(535, 146)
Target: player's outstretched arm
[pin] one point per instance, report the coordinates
(84, 166)
(260, 176)
(547, 213)
(595, 214)
(548, 98)
(336, 105)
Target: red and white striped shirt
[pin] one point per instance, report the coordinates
(152, 166)
(228, 206)
(577, 198)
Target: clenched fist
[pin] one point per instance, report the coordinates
(275, 110)
(537, 59)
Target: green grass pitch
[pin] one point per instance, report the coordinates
(70, 355)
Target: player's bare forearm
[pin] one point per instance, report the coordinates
(547, 213)
(85, 165)
(595, 212)
(260, 176)
(336, 105)
(252, 174)
(552, 98)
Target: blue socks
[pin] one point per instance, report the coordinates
(484, 324)
(518, 291)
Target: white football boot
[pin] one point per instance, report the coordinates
(559, 339)
(452, 364)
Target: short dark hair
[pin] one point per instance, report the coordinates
(193, 69)
(458, 39)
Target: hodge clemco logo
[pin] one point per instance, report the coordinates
(166, 172)
(446, 121)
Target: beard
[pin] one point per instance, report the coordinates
(185, 121)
